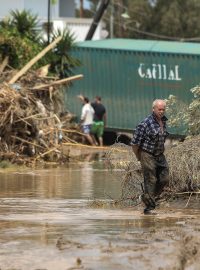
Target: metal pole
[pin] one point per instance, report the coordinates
(97, 17)
(81, 8)
(112, 20)
(48, 21)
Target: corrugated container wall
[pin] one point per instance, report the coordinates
(130, 74)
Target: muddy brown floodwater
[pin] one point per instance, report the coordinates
(47, 223)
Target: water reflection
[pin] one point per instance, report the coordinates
(84, 180)
(87, 179)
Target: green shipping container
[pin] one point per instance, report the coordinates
(129, 74)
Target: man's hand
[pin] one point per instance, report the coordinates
(136, 151)
(81, 97)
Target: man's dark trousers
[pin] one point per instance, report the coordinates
(156, 177)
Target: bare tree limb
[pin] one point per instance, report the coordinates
(63, 81)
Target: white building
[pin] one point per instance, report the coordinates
(62, 14)
(79, 27)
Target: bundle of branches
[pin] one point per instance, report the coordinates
(123, 164)
(184, 164)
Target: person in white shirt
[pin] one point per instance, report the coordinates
(87, 116)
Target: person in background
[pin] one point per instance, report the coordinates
(148, 146)
(87, 115)
(99, 122)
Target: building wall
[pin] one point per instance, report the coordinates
(37, 7)
(79, 27)
(62, 8)
(8, 5)
(66, 8)
(62, 15)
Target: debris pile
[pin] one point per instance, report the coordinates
(184, 164)
(32, 122)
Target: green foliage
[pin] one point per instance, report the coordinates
(140, 12)
(5, 164)
(194, 112)
(183, 115)
(23, 23)
(21, 40)
(177, 111)
(154, 19)
(176, 18)
(26, 24)
(61, 62)
(19, 49)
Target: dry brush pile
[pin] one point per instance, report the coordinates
(30, 120)
(184, 163)
(123, 165)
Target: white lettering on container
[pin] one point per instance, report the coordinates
(159, 72)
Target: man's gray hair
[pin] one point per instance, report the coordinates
(156, 101)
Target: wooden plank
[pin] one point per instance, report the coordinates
(34, 60)
(63, 81)
(4, 64)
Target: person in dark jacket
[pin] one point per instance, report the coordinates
(148, 146)
(99, 120)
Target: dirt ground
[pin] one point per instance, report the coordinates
(168, 241)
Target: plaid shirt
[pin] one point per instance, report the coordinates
(149, 136)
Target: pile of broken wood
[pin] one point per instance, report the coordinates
(31, 123)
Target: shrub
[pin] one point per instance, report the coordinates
(183, 115)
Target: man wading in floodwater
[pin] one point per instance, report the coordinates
(148, 146)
